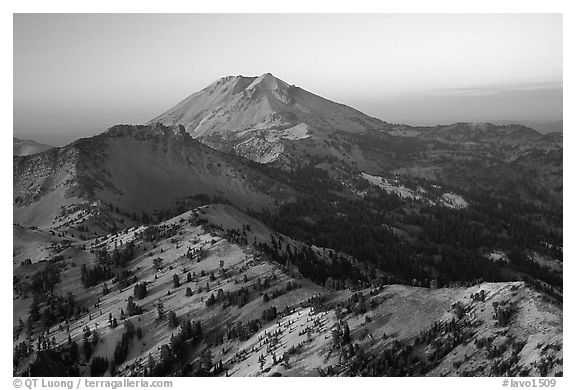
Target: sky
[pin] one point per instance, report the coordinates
(75, 75)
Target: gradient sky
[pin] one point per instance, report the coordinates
(77, 74)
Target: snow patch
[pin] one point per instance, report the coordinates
(447, 199)
(546, 261)
(497, 255)
(300, 131)
(391, 188)
(269, 130)
(453, 201)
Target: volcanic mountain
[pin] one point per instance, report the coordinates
(255, 116)
(240, 104)
(136, 169)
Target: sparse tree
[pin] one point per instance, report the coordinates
(151, 362)
(160, 310)
(157, 262)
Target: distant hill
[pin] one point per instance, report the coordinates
(550, 127)
(542, 127)
(24, 147)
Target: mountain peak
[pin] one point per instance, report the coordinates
(234, 85)
(268, 81)
(242, 106)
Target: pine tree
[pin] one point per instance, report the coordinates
(345, 334)
(172, 319)
(34, 309)
(74, 351)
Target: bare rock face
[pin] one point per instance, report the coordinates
(259, 149)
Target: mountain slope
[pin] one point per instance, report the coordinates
(24, 147)
(259, 317)
(137, 169)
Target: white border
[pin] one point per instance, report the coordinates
(300, 6)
